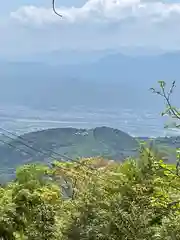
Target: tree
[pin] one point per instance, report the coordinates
(133, 200)
(28, 205)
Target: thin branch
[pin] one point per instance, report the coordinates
(173, 112)
(54, 9)
(167, 98)
(171, 89)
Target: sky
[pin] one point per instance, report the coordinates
(29, 26)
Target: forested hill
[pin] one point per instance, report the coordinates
(75, 143)
(46, 145)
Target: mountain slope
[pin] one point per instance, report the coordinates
(71, 143)
(47, 145)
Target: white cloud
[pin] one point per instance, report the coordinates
(98, 24)
(101, 11)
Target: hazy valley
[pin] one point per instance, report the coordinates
(48, 90)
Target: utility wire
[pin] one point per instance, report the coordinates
(54, 9)
(11, 145)
(23, 141)
(15, 146)
(26, 143)
(37, 150)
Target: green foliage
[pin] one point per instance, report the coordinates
(28, 206)
(106, 200)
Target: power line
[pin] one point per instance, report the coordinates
(40, 151)
(9, 144)
(15, 146)
(23, 141)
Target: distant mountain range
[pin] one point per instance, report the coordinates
(72, 56)
(71, 143)
(89, 81)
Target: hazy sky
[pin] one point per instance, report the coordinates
(29, 26)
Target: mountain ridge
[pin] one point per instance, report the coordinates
(64, 144)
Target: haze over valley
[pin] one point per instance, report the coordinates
(42, 91)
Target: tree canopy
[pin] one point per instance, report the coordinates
(93, 199)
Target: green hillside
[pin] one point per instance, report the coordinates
(44, 146)
(66, 143)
